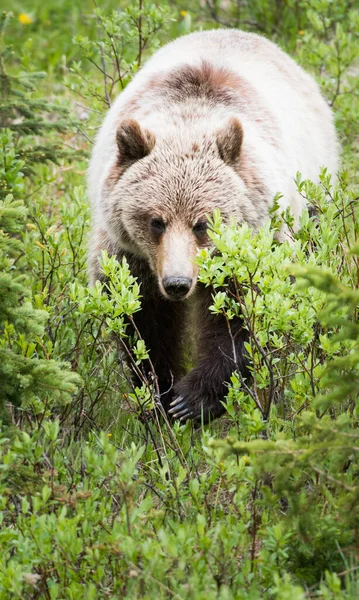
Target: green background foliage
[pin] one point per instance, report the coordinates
(100, 496)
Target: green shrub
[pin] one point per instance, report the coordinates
(100, 496)
(25, 377)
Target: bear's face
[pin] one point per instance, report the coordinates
(159, 206)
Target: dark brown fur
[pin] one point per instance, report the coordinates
(219, 353)
(164, 326)
(212, 84)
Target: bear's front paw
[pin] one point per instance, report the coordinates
(196, 406)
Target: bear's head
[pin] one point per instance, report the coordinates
(161, 191)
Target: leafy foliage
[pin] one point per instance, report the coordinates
(27, 117)
(100, 496)
(118, 52)
(23, 374)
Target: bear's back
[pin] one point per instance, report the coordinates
(289, 94)
(273, 92)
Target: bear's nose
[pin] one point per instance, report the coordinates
(177, 287)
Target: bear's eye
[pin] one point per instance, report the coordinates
(200, 228)
(158, 226)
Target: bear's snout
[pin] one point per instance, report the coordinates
(177, 288)
(175, 265)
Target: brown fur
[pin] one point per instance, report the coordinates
(213, 84)
(206, 82)
(219, 120)
(229, 141)
(161, 321)
(133, 143)
(210, 84)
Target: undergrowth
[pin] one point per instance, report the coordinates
(100, 496)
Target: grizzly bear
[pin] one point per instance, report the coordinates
(217, 119)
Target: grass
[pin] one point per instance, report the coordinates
(97, 502)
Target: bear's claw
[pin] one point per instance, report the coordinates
(182, 409)
(179, 409)
(192, 401)
(177, 403)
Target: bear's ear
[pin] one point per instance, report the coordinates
(133, 142)
(229, 141)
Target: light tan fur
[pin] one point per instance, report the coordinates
(176, 257)
(215, 119)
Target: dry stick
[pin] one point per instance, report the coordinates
(103, 70)
(175, 447)
(139, 26)
(149, 431)
(160, 408)
(252, 394)
(134, 367)
(264, 411)
(238, 22)
(340, 72)
(267, 362)
(87, 108)
(333, 480)
(116, 55)
(118, 59)
(254, 518)
(88, 412)
(160, 583)
(155, 380)
(81, 131)
(143, 378)
(108, 99)
(312, 361)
